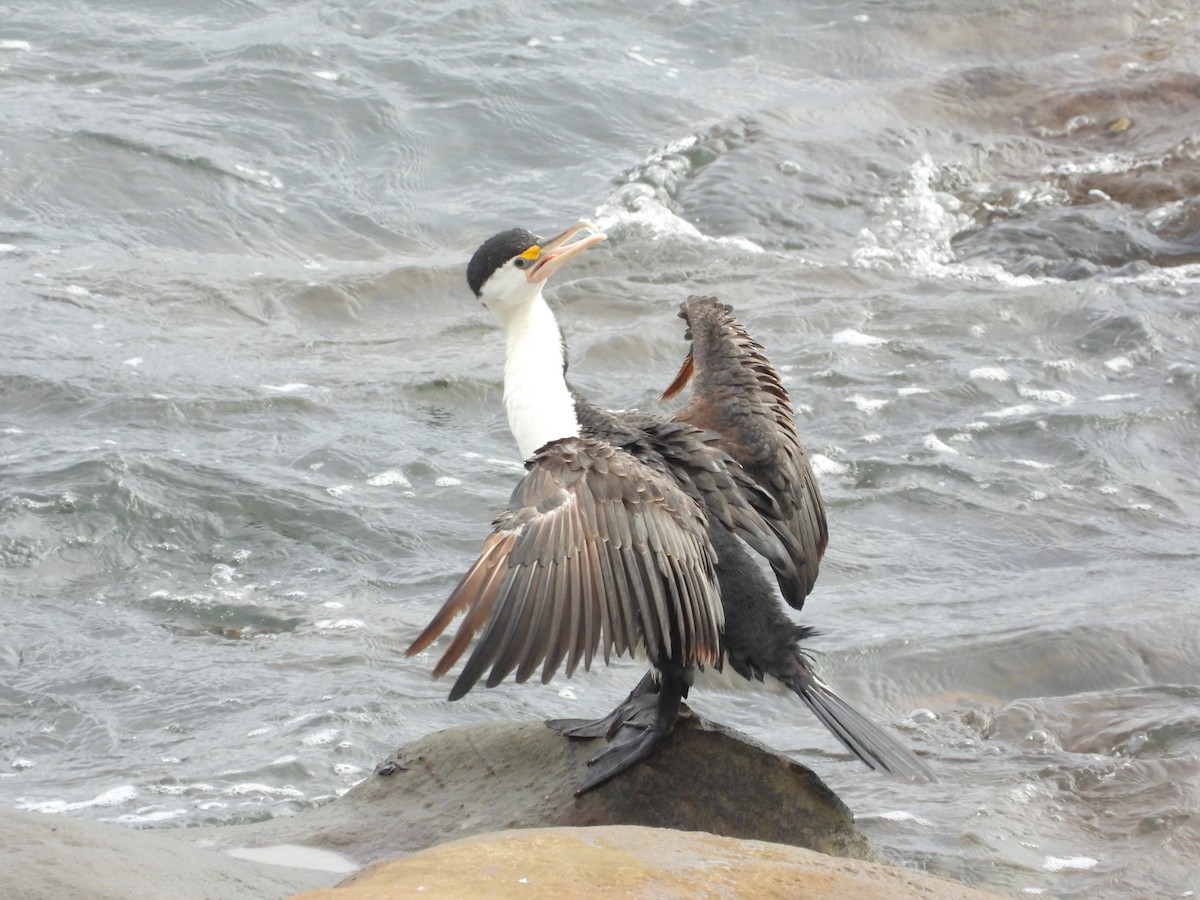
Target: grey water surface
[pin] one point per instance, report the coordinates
(250, 429)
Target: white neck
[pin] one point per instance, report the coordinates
(540, 408)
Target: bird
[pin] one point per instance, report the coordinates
(635, 533)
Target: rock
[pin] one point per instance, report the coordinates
(629, 861)
(482, 781)
(60, 858)
(503, 775)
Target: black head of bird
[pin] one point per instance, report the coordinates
(510, 268)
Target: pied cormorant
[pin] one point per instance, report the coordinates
(631, 533)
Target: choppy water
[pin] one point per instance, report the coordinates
(249, 414)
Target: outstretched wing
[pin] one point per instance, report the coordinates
(738, 394)
(596, 551)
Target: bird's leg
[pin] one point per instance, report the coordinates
(640, 699)
(639, 733)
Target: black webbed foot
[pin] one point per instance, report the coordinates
(641, 698)
(634, 729)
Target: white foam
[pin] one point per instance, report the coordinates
(1030, 463)
(1106, 164)
(1119, 364)
(289, 388)
(1009, 412)
(448, 481)
(326, 75)
(251, 787)
(326, 736)
(178, 790)
(259, 176)
(990, 373)
(823, 465)
(20, 763)
(933, 442)
(339, 624)
(114, 797)
(1061, 398)
(911, 391)
(1059, 863)
(916, 224)
(857, 338)
(151, 815)
(1109, 398)
(133, 362)
(1026, 793)
(388, 478)
(508, 465)
(644, 202)
(24, 46)
(900, 815)
(869, 405)
(1063, 365)
(221, 574)
(913, 229)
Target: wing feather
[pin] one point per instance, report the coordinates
(596, 553)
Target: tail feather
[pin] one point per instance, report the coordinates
(862, 737)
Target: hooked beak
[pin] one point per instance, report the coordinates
(559, 250)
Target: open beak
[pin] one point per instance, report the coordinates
(559, 250)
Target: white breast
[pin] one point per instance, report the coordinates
(540, 407)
